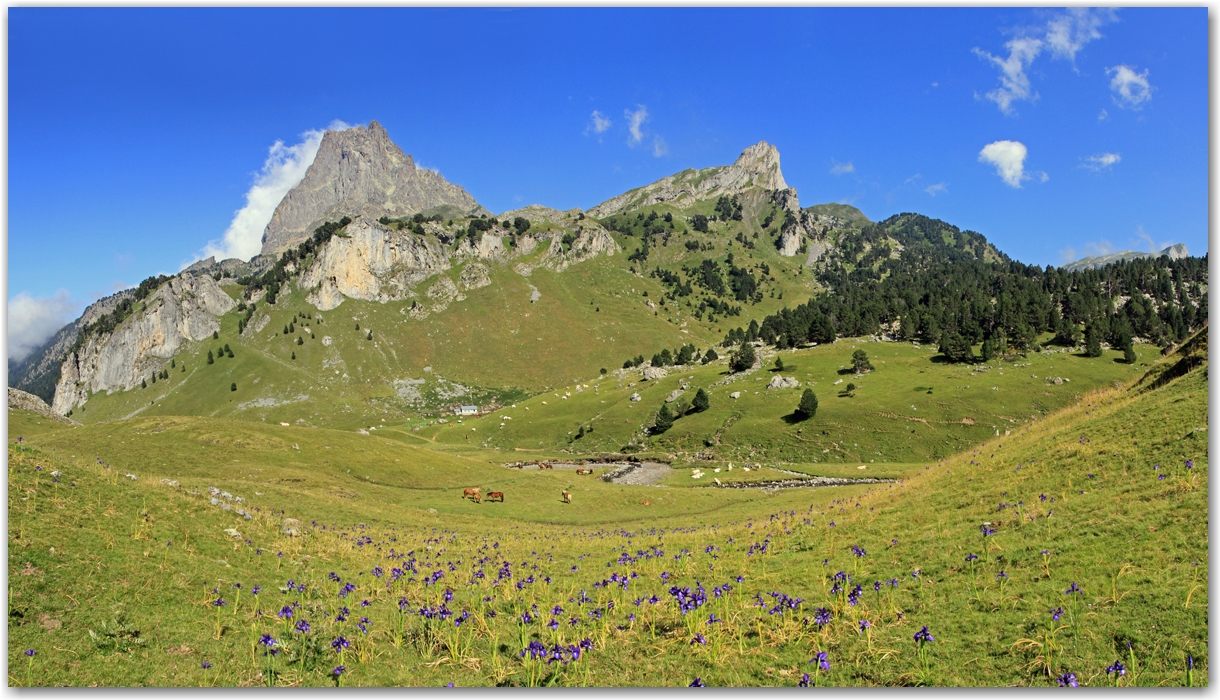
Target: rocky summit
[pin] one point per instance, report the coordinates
(360, 172)
(1174, 252)
(756, 167)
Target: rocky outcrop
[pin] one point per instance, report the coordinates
(475, 275)
(373, 263)
(38, 372)
(757, 166)
(360, 172)
(231, 268)
(186, 308)
(29, 402)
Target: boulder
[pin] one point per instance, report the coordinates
(781, 382)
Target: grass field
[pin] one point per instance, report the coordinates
(1089, 525)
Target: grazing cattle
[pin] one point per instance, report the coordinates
(567, 496)
(473, 494)
(645, 503)
(584, 471)
(544, 465)
(495, 496)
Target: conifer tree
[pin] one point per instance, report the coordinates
(701, 402)
(665, 420)
(808, 406)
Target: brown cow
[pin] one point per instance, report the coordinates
(567, 496)
(473, 494)
(584, 471)
(495, 495)
(544, 465)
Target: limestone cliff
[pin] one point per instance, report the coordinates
(186, 308)
(757, 166)
(373, 263)
(359, 172)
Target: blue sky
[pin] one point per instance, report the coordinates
(136, 134)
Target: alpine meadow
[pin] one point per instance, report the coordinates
(699, 434)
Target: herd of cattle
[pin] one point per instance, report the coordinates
(476, 493)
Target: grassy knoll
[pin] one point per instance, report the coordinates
(1098, 555)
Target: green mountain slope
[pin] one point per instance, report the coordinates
(1094, 551)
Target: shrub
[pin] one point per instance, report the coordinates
(233, 386)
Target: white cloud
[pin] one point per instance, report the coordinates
(1132, 89)
(32, 321)
(1043, 177)
(1014, 83)
(1008, 157)
(284, 169)
(936, 189)
(1102, 117)
(1065, 34)
(659, 147)
(841, 168)
(598, 123)
(1101, 161)
(634, 120)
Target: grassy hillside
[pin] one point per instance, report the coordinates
(1089, 528)
(911, 408)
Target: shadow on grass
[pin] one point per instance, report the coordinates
(795, 418)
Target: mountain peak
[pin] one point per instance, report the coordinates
(359, 172)
(756, 167)
(761, 162)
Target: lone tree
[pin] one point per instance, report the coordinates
(210, 359)
(1092, 341)
(233, 386)
(665, 420)
(860, 363)
(743, 359)
(710, 356)
(701, 402)
(779, 364)
(808, 406)
(1128, 348)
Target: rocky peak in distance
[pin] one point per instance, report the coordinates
(757, 166)
(359, 172)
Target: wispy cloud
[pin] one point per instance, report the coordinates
(659, 147)
(33, 320)
(598, 123)
(842, 168)
(1101, 161)
(936, 189)
(1104, 114)
(1153, 246)
(283, 169)
(1014, 83)
(635, 119)
(1008, 157)
(1131, 89)
(1064, 35)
